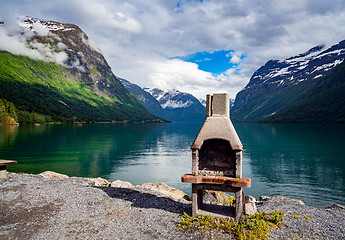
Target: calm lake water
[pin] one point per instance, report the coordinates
(306, 162)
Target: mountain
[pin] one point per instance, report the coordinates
(279, 84)
(202, 101)
(64, 76)
(325, 102)
(145, 98)
(179, 106)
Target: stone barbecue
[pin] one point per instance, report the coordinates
(217, 160)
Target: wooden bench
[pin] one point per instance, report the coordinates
(228, 181)
(3, 164)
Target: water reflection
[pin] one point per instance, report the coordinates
(89, 150)
(302, 161)
(165, 157)
(8, 134)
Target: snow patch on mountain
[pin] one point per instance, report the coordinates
(44, 26)
(328, 66)
(176, 104)
(171, 98)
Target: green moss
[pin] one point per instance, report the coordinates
(256, 226)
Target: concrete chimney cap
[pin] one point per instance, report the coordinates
(218, 128)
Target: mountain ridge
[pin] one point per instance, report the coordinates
(280, 83)
(323, 103)
(69, 80)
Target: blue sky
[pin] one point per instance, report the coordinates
(199, 47)
(216, 62)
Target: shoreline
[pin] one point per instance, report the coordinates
(34, 207)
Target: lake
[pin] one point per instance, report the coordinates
(300, 161)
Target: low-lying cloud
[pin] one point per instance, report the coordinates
(16, 38)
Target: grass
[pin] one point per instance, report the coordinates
(255, 226)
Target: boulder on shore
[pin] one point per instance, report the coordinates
(163, 189)
(266, 198)
(218, 198)
(121, 184)
(10, 121)
(250, 205)
(100, 182)
(50, 174)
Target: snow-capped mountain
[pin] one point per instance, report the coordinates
(172, 99)
(58, 72)
(145, 98)
(280, 83)
(179, 106)
(313, 64)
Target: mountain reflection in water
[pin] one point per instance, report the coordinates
(306, 162)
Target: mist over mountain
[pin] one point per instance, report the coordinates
(53, 70)
(281, 84)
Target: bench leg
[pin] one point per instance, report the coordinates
(196, 199)
(3, 172)
(239, 203)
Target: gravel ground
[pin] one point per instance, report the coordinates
(305, 222)
(33, 207)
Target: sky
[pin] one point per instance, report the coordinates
(199, 47)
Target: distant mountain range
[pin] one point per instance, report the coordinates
(294, 89)
(172, 105)
(179, 106)
(145, 98)
(81, 87)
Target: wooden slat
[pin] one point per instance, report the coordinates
(229, 181)
(7, 162)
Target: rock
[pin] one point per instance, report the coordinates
(100, 182)
(10, 121)
(336, 206)
(218, 198)
(50, 174)
(265, 198)
(250, 205)
(163, 189)
(121, 184)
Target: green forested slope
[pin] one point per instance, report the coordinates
(63, 93)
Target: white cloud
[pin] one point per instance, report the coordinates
(39, 29)
(14, 39)
(140, 38)
(235, 59)
(178, 74)
(16, 45)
